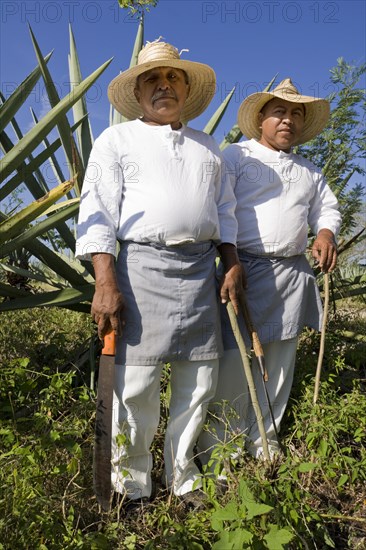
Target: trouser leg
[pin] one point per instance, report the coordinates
(280, 363)
(136, 413)
(228, 410)
(193, 385)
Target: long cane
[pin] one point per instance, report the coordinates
(322, 338)
(249, 377)
(258, 351)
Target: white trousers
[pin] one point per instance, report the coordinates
(232, 387)
(136, 414)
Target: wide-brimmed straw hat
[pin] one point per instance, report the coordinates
(317, 111)
(202, 81)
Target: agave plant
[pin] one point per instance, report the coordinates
(38, 242)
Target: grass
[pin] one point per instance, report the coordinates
(314, 497)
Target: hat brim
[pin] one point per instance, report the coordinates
(317, 113)
(202, 82)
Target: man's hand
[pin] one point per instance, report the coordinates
(108, 302)
(234, 280)
(324, 250)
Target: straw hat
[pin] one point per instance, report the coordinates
(317, 111)
(202, 81)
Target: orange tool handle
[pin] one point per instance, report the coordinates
(109, 344)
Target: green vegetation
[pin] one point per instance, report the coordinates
(312, 497)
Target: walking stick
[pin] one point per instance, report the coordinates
(322, 338)
(258, 351)
(249, 377)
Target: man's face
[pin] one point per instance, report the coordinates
(161, 93)
(282, 123)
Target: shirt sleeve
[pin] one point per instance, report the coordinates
(323, 209)
(100, 201)
(226, 204)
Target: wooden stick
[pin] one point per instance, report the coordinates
(322, 338)
(249, 377)
(258, 351)
(257, 346)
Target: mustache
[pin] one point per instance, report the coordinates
(160, 95)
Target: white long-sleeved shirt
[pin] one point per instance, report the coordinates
(154, 184)
(278, 196)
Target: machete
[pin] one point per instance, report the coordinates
(103, 423)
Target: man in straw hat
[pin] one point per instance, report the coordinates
(279, 194)
(157, 187)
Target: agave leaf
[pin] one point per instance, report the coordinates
(34, 186)
(115, 117)
(28, 274)
(34, 137)
(232, 137)
(51, 158)
(217, 116)
(63, 204)
(26, 170)
(17, 223)
(12, 105)
(84, 133)
(39, 228)
(79, 266)
(59, 298)
(71, 152)
(11, 292)
(38, 187)
(55, 262)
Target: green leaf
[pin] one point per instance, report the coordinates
(17, 223)
(84, 133)
(229, 513)
(217, 116)
(232, 137)
(342, 480)
(14, 102)
(33, 138)
(24, 171)
(59, 298)
(224, 542)
(71, 152)
(307, 467)
(277, 538)
(63, 213)
(240, 538)
(116, 117)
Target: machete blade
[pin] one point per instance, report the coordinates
(103, 424)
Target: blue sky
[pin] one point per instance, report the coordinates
(246, 42)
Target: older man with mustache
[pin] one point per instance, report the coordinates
(157, 189)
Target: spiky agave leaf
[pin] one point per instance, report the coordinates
(18, 222)
(65, 211)
(14, 102)
(219, 113)
(72, 154)
(84, 132)
(58, 298)
(33, 138)
(26, 170)
(115, 117)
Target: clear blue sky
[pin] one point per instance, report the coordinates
(246, 42)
